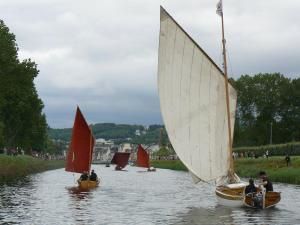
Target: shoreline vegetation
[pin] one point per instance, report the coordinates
(275, 167)
(17, 167)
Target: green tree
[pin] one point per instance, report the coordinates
(266, 100)
(290, 112)
(24, 124)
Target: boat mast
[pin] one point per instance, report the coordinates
(91, 146)
(220, 13)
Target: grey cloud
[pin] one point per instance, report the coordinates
(102, 55)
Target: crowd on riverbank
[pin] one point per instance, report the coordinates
(18, 166)
(275, 166)
(39, 155)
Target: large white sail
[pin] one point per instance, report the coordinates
(193, 104)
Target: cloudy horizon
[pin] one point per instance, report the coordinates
(102, 55)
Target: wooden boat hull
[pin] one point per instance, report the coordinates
(231, 196)
(262, 201)
(88, 184)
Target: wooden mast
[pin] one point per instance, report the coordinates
(91, 146)
(231, 169)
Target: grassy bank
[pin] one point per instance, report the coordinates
(169, 164)
(292, 148)
(14, 167)
(274, 166)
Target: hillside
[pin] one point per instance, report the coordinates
(117, 132)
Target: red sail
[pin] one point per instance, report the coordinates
(80, 152)
(121, 159)
(142, 157)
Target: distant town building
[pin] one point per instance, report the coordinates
(102, 150)
(126, 147)
(154, 148)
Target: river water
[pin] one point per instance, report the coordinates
(132, 197)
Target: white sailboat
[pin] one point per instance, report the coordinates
(198, 108)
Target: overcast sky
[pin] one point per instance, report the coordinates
(102, 55)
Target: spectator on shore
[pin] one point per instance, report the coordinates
(267, 154)
(287, 159)
(234, 155)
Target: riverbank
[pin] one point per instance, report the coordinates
(14, 167)
(275, 167)
(169, 164)
(248, 167)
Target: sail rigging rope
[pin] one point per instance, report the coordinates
(230, 65)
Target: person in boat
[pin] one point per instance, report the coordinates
(250, 188)
(84, 176)
(265, 181)
(151, 169)
(93, 176)
(118, 167)
(251, 191)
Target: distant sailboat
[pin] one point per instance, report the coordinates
(143, 159)
(120, 159)
(198, 108)
(79, 156)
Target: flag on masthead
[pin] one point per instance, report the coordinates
(220, 8)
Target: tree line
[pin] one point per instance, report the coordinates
(22, 122)
(119, 133)
(268, 109)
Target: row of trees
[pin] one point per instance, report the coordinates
(268, 110)
(22, 123)
(119, 133)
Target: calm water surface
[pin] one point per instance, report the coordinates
(132, 197)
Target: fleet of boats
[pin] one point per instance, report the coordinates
(198, 108)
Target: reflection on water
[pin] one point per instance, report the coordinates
(78, 193)
(211, 215)
(225, 215)
(132, 197)
(286, 212)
